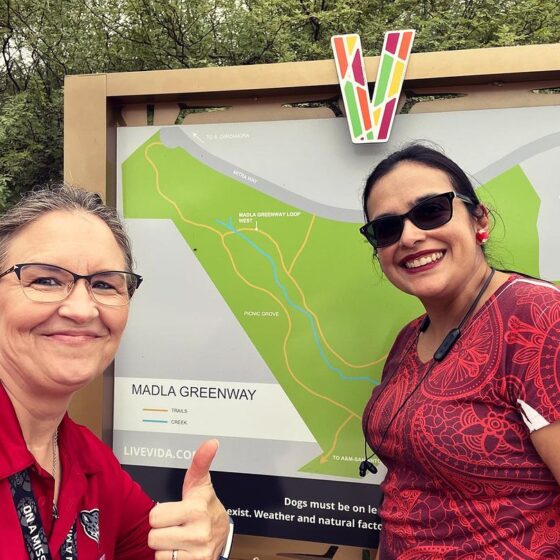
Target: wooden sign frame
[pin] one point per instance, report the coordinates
(96, 105)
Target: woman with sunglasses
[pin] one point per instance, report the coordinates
(467, 415)
(66, 282)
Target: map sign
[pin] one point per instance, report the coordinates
(263, 320)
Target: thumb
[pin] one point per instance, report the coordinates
(198, 473)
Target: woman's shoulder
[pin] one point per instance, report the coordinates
(522, 290)
(523, 301)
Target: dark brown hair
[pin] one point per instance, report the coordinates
(419, 153)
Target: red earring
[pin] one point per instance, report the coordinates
(481, 236)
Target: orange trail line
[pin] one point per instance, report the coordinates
(171, 201)
(326, 456)
(303, 244)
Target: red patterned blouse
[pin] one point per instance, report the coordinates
(463, 479)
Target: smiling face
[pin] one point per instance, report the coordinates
(430, 264)
(59, 347)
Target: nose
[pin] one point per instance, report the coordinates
(79, 306)
(411, 234)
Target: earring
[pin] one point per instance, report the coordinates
(481, 236)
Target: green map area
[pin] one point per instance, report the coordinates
(334, 316)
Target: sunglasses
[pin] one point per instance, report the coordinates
(431, 213)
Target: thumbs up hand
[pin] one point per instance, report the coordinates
(198, 525)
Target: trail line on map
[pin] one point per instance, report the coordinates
(325, 457)
(165, 197)
(304, 243)
(222, 238)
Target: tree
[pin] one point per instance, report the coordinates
(43, 42)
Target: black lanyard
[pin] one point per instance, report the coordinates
(31, 525)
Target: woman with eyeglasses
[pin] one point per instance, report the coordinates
(66, 282)
(467, 415)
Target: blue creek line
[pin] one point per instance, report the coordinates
(229, 225)
(156, 421)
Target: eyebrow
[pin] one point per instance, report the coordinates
(414, 203)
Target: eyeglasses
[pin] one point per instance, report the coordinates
(430, 213)
(46, 283)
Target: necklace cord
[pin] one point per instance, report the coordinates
(54, 469)
(483, 288)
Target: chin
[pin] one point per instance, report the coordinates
(422, 288)
(74, 378)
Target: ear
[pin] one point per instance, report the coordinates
(482, 218)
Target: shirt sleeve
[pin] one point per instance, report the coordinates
(532, 359)
(132, 541)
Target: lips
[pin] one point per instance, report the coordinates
(419, 260)
(72, 337)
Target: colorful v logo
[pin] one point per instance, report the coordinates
(371, 121)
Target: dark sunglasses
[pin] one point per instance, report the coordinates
(431, 213)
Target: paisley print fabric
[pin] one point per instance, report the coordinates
(464, 481)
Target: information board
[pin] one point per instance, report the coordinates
(263, 320)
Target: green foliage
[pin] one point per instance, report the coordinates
(44, 41)
(30, 142)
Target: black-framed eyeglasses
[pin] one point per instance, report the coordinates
(431, 213)
(47, 283)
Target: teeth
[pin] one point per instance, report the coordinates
(424, 260)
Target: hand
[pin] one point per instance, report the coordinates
(198, 525)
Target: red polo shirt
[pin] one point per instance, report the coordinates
(92, 480)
